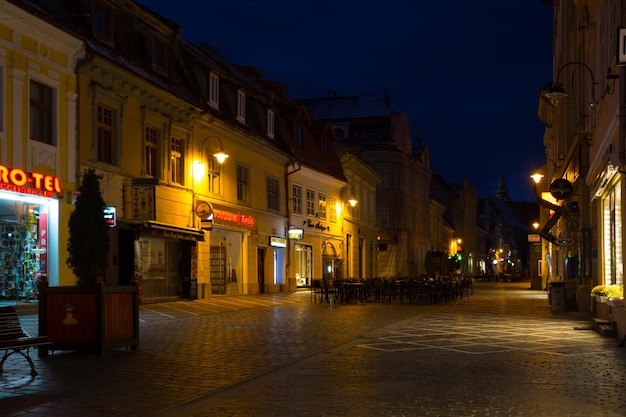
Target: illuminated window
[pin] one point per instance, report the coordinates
(612, 237)
(296, 191)
(332, 214)
(151, 136)
(105, 134)
(214, 175)
(272, 194)
(41, 113)
(177, 168)
(214, 90)
(242, 183)
(241, 106)
(321, 203)
(310, 202)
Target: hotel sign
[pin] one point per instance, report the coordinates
(19, 181)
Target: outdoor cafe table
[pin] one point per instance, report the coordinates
(351, 291)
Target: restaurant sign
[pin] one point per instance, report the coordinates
(237, 218)
(19, 181)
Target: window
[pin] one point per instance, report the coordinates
(177, 168)
(102, 25)
(241, 106)
(296, 192)
(310, 202)
(151, 136)
(214, 175)
(41, 113)
(272, 194)
(105, 141)
(332, 214)
(214, 90)
(270, 124)
(324, 145)
(297, 135)
(242, 183)
(321, 203)
(159, 54)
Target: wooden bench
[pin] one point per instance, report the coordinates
(13, 339)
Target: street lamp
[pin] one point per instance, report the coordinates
(353, 201)
(220, 155)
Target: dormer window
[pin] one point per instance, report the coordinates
(102, 22)
(159, 54)
(241, 106)
(270, 124)
(324, 145)
(297, 135)
(214, 90)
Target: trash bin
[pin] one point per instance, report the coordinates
(557, 296)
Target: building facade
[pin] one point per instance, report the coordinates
(583, 109)
(37, 149)
(379, 135)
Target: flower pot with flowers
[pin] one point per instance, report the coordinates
(599, 292)
(614, 295)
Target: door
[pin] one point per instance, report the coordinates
(261, 270)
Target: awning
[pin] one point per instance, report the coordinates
(177, 232)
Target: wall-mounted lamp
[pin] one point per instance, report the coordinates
(558, 162)
(557, 91)
(353, 201)
(220, 155)
(537, 177)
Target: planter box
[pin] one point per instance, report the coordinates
(89, 319)
(601, 310)
(615, 303)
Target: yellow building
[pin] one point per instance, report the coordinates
(37, 150)
(153, 114)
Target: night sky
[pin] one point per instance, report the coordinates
(466, 73)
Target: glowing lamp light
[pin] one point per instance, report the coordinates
(220, 155)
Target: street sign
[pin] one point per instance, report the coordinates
(561, 189)
(565, 241)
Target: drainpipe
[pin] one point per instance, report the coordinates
(292, 168)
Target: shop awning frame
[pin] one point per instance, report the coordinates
(168, 230)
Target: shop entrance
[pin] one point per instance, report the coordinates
(303, 265)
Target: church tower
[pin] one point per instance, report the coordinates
(502, 193)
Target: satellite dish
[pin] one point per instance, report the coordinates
(565, 241)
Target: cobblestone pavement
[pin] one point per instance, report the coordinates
(500, 353)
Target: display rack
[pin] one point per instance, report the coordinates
(218, 270)
(19, 258)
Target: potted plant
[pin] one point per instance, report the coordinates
(89, 316)
(614, 295)
(599, 292)
(88, 243)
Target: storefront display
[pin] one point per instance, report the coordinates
(22, 252)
